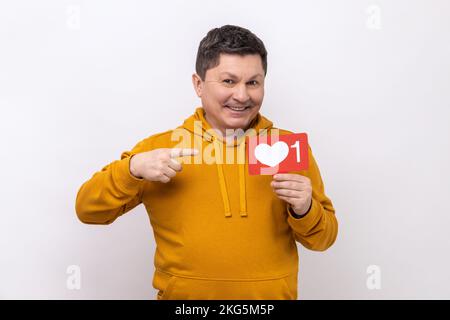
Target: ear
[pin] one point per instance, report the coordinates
(198, 84)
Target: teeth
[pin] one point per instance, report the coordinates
(237, 109)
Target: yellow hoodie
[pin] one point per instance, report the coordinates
(220, 233)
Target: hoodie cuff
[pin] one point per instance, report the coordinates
(305, 221)
(124, 176)
(295, 215)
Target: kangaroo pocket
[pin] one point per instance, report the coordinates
(175, 287)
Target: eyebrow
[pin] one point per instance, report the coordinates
(234, 76)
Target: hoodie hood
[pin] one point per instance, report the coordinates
(198, 125)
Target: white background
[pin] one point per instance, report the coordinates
(83, 81)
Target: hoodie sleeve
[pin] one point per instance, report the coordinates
(111, 192)
(317, 230)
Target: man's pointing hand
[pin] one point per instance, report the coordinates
(158, 164)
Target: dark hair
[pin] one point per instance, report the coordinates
(227, 39)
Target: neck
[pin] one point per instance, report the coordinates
(222, 132)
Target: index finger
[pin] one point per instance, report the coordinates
(181, 152)
(289, 177)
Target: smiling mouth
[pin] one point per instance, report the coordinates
(238, 109)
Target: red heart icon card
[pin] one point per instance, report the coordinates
(271, 154)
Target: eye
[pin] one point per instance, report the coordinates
(228, 81)
(253, 83)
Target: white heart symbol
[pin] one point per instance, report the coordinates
(271, 155)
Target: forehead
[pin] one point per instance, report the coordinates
(247, 65)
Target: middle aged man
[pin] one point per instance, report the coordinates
(220, 233)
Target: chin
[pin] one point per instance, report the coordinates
(237, 124)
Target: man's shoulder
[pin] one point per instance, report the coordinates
(161, 136)
(155, 141)
(281, 131)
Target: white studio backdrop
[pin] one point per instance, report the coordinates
(369, 81)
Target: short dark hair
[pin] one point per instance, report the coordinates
(227, 39)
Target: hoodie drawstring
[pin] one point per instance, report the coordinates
(198, 125)
(223, 187)
(242, 198)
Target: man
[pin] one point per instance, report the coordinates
(220, 233)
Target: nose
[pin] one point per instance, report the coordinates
(240, 93)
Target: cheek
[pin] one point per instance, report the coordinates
(212, 100)
(222, 95)
(217, 95)
(258, 96)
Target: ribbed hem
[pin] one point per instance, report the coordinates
(305, 223)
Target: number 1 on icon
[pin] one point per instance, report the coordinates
(296, 145)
